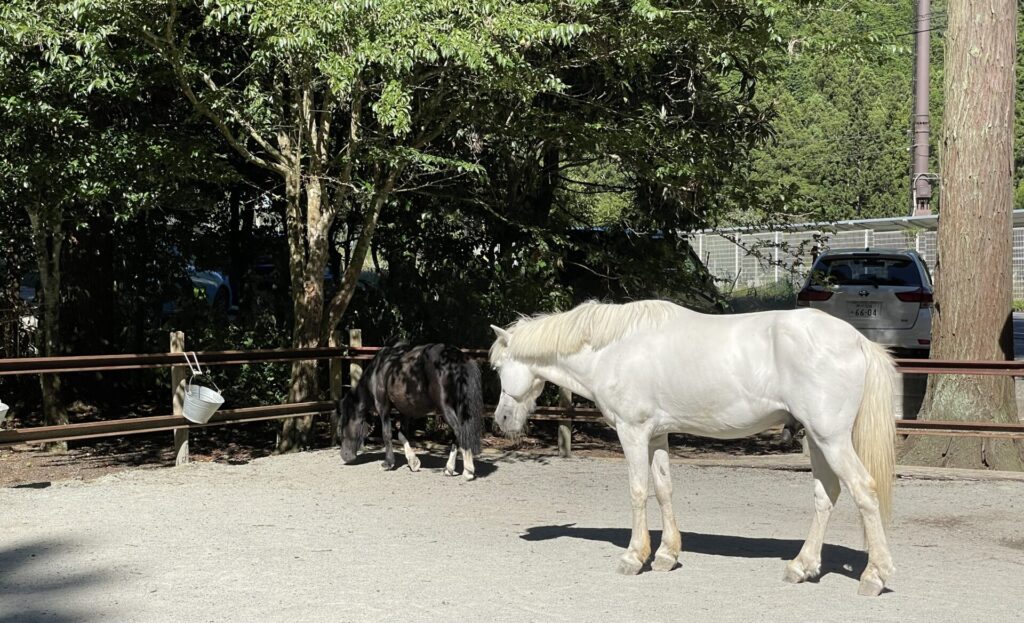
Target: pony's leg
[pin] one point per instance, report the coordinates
(807, 564)
(671, 542)
(468, 468)
(843, 460)
(384, 408)
(635, 447)
(410, 455)
(449, 468)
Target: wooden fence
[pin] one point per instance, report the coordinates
(354, 355)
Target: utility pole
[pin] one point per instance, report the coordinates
(920, 186)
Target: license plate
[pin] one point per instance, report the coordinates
(864, 310)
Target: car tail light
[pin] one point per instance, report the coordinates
(924, 342)
(916, 296)
(805, 296)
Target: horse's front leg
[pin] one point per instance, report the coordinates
(384, 408)
(635, 447)
(671, 542)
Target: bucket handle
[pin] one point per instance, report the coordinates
(197, 370)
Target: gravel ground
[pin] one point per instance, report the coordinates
(304, 538)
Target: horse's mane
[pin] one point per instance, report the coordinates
(593, 324)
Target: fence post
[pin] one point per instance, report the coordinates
(355, 370)
(565, 428)
(178, 375)
(337, 381)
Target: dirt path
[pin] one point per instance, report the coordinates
(304, 538)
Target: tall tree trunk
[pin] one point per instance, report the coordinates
(974, 280)
(48, 240)
(308, 251)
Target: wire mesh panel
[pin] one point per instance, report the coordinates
(894, 240)
(1018, 263)
(720, 257)
(926, 246)
(857, 239)
(756, 262)
(767, 257)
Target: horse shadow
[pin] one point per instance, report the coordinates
(428, 461)
(835, 558)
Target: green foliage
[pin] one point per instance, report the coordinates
(843, 104)
(775, 296)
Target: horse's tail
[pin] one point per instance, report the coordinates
(874, 431)
(469, 404)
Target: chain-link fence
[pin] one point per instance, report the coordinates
(754, 259)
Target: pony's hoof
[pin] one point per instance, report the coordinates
(629, 567)
(871, 584)
(448, 472)
(468, 475)
(386, 467)
(414, 465)
(870, 587)
(796, 573)
(793, 576)
(664, 562)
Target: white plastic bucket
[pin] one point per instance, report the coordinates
(200, 403)
(3, 412)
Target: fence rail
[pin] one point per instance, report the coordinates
(357, 354)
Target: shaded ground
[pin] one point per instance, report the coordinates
(305, 538)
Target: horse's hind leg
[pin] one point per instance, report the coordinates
(449, 468)
(846, 464)
(668, 553)
(468, 468)
(807, 564)
(410, 455)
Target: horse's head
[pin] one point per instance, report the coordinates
(352, 428)
(520, 387)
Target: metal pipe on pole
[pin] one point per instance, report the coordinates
(921, 189)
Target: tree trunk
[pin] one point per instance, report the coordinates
(308, 259)
(48, 240)
(973, 317)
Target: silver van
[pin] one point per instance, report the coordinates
(886, 295)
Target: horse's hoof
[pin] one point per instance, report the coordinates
(793, 576)
(468, 475)
(414, 465)
(870, 584)
(386, 467)
(629, 567)
(448, 472)
(664, 562)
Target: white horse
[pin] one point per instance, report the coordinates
(655, 368)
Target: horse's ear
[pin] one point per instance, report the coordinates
(501, 333)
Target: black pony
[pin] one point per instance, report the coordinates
(418, 381)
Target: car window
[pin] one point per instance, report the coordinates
(860, 271)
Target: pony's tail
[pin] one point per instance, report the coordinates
(874, 431)
(469, 406)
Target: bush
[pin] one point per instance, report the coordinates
(781, 295)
